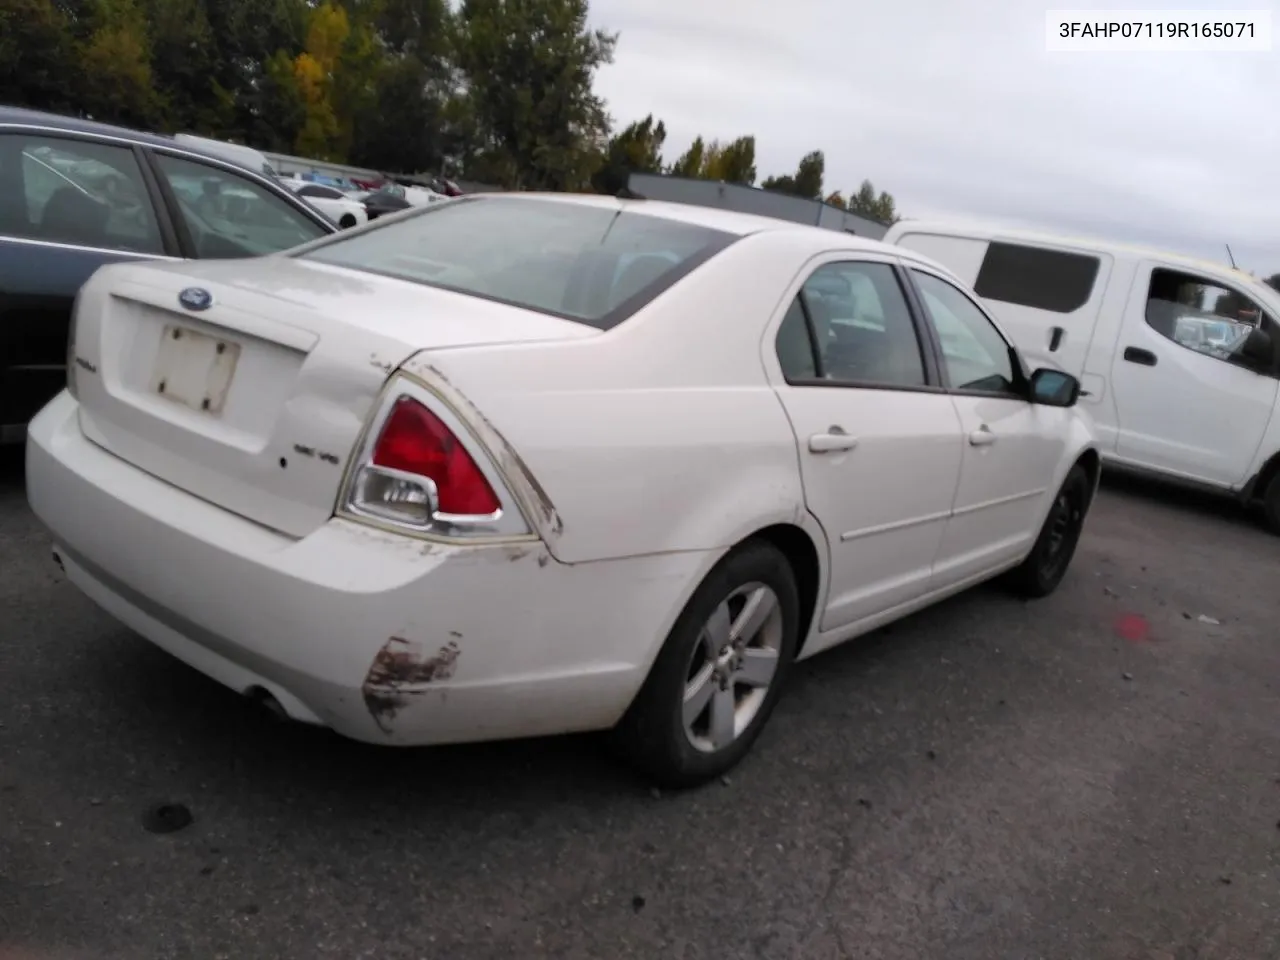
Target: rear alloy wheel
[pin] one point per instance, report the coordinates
(719, 674)
(1046, 565)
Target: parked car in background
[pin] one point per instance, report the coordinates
(342, 208)
(75, 195)
(1168, 348)
(382, 201)
(238, 153)
(596, 464)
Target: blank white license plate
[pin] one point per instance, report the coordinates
(194, 369)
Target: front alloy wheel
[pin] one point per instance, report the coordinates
(719, 674)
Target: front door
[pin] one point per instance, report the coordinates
(1012, 447)
(879, 442)
(1186, 403)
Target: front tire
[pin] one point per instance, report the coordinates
(718, 676)
(1046, 565)
(1271, 505)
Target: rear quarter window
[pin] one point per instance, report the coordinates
(594, 264)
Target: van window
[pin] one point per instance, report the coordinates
(1200, 314)
(1052, 280)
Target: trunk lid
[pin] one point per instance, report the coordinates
(256, 402)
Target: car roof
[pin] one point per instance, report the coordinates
(55, 121)
(713, 218)
(987, 230)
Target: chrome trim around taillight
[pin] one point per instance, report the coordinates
(508, 523)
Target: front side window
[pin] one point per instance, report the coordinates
(596, 264)
(1200, 314)
(850, 324)
(67, 190)
(974, 353)
(229, 215)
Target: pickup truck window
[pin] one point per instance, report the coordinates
(1059, 281)
(1199, 314)
(69, 190)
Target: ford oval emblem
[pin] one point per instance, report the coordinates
(196, 298)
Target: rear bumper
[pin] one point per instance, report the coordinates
(383, 638)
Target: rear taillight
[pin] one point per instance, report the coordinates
(421, 469)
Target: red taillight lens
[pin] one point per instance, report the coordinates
(414, 440)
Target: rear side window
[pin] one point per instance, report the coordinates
(1050, 280)
(67, 190)
(594, 264)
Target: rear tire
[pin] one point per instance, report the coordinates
(720, 672)
(1046, 565)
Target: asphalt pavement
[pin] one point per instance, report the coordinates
(1094, 776)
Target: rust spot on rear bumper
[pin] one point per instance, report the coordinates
(399, 671)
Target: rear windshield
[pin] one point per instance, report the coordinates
(596, 265)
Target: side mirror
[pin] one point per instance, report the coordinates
(1054, 388)
(1258, 352)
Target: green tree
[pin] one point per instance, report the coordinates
(39, 61)
(733, 162)
(867, 203)
(809, 175)
(637, 149)
(689, 163)
(805, 182)
(116, 63)
(527, 68)
(1273, 281)
(182, 61)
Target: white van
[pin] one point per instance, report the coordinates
(248, 157)
(1177, 356)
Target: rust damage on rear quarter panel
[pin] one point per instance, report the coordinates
(508, 460)
(401, 670)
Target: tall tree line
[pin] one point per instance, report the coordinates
(495, 90)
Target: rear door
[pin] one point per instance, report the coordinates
(879, 440)
(1188, 403)
(1012, 447)
(68, 204)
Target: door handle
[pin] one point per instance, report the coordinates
(1138, 355)
(1055, 338)
(833, 441)
(982, 437)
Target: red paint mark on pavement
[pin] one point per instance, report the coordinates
(1132, 627)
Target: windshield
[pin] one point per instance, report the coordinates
(594, 264)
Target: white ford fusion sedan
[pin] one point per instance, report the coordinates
(517, 465)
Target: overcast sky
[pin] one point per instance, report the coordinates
(955, 107)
